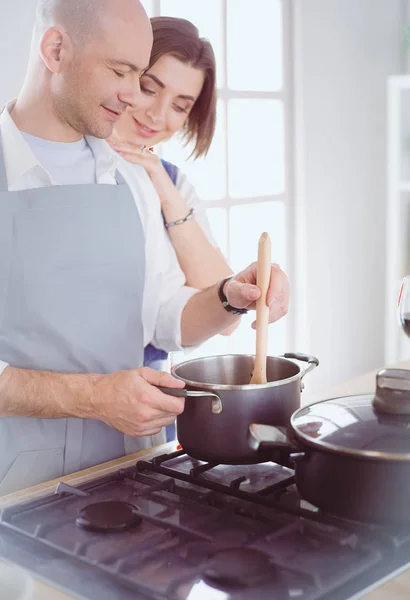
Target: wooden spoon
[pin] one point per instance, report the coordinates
(262, 309)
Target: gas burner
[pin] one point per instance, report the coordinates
(108, 517)
(238, 567)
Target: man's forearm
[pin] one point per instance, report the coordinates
(204, 317)
(43, 394)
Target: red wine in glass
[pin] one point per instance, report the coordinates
(404, 305)
(405, 323)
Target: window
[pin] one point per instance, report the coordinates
(245, 178)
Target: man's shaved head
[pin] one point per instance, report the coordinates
(77, 17)
(80, 18)
(88, 56)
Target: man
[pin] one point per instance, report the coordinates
(81, 290)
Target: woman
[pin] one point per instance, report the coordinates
(178, 95)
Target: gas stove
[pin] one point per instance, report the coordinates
(179, 529)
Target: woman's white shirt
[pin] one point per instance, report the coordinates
(188, 193)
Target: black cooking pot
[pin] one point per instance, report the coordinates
(352, 454)
(215, 425)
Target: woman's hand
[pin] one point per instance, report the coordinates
(140, 155)
(136, 154)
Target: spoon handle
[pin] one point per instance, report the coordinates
(262, 309)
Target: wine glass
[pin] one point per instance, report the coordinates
(404, 305)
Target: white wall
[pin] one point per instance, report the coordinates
(16, 24)
(345, 49)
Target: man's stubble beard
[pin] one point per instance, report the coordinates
(74, 106)
(73, 112)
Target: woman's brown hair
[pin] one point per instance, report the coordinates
(180, 38)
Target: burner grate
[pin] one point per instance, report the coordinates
(268, 496)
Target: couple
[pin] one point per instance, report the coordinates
(88, 274)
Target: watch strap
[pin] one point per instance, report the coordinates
(224, 299)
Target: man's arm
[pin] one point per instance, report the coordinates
(26, 393)
(126, 400)
(204, 315)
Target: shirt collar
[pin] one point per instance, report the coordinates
(19, 159)
(106, 159)
(18, 156)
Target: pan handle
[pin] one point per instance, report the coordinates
(279, 452)
(184, 393)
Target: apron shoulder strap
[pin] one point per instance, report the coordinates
(3, 175)
(119, 178)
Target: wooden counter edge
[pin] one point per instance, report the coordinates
(49, 487)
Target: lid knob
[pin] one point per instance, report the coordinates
(392, 392)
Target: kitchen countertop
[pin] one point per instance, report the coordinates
(397, 588)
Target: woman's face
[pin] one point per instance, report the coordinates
(169, 89)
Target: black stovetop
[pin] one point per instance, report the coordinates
(197, 531)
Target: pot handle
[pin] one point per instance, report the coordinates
(312, 360)
(184, 393)
(280, 452)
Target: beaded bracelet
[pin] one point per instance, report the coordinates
(180, 221)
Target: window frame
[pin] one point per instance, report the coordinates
(286, 95)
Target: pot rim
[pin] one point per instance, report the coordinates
(323, 446)
(242, 388)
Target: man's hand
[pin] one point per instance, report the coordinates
(242, 292)
(204, 316)
(129, 402)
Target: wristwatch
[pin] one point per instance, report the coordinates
(224, 299)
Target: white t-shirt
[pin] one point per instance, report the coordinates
(62, 159)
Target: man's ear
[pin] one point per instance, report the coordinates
(54, 46)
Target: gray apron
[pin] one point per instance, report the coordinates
(71, 283)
